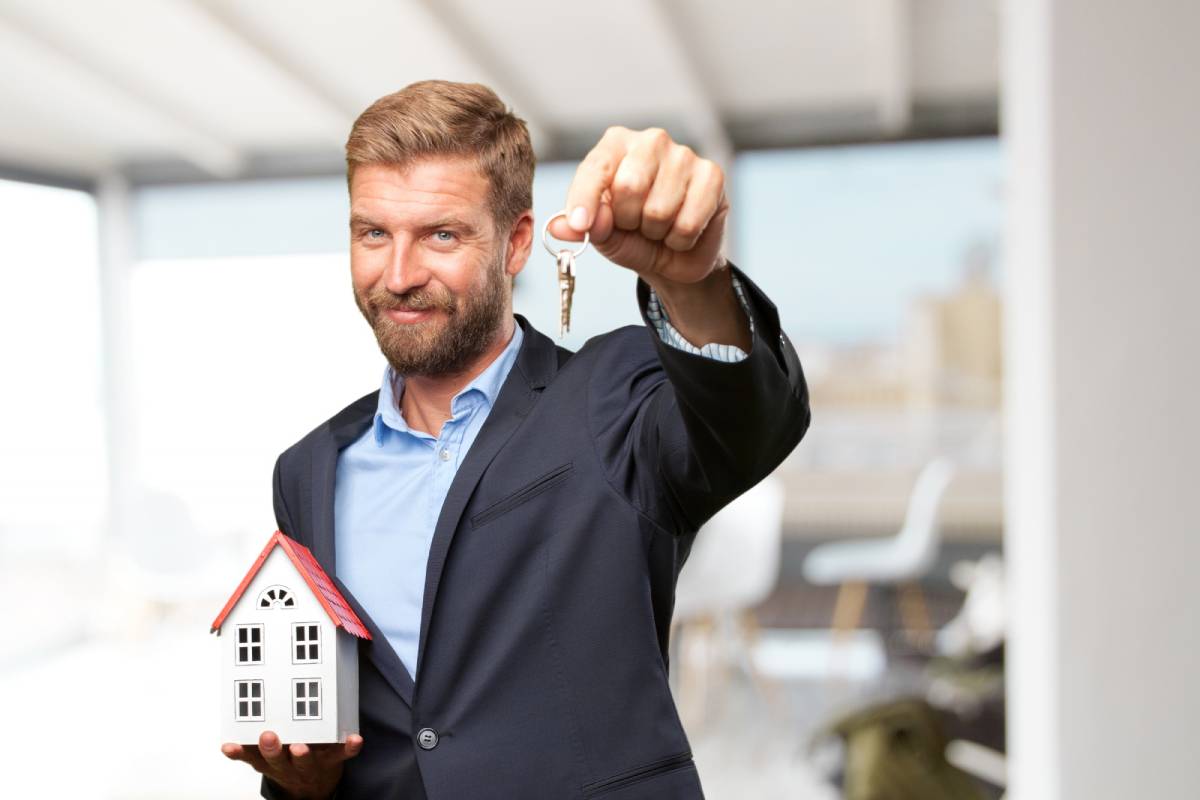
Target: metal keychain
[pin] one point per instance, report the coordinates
(566, 274)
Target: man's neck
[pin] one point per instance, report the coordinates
(425, 402)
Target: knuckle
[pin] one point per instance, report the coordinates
(614, 131)
(630, 183)
(655, 212)
(657, 136)
(687, 229)
(683, 154)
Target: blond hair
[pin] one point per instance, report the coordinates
(444, 118)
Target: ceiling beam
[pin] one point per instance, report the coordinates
(189, 137)
(701, 117)
(895, 67)
(340, 109)
(479, 51)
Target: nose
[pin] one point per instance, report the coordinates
(404, 269)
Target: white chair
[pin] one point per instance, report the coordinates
(901, 560)
(733, 566)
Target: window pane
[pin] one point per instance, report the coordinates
(312, 632)
(243, 690)
(241, 654)
(300, 689)
(299, 631)
(256, 653)
(256, 708)
(243, 708)
(256, 690)
(312, 709)
(313, 652)
(300, 708)
(256, 635)
(299, 652)
(312, 689)
(241, 635)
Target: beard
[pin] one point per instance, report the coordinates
(430, 348)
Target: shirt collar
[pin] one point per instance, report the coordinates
(485, 386)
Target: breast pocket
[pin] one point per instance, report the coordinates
(527, 492)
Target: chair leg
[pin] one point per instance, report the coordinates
(696, 657)
(915, 613)
(847, 614)
(847, 611)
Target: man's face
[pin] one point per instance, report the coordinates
(428, 268)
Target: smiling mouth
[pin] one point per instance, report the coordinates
(408, 317)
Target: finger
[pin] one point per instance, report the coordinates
(353, 746)
(272, 751)
(303, 760)
(668, 192)
(250, 755)
(595, 174)
(635, 175)
(704, 195)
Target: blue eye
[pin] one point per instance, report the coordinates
(448, 233)
(373, 230)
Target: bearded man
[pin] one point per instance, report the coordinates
(508, 517)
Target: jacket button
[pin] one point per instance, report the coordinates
(427, 738)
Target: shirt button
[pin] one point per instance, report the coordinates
(444, 455)
(427, 738)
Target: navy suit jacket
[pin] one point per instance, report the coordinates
(551, 577)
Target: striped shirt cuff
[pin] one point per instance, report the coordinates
(719, 352)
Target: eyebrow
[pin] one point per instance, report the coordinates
(357, 220)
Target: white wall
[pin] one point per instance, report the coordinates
(1102, 122)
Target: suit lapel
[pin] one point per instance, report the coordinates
(344, 429)
(536, 364)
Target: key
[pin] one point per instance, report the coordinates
(566, 289)
(566, 274)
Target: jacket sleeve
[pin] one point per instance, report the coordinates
(681, 435)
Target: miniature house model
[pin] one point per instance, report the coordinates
(289, 651)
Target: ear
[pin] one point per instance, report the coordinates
(519, 244)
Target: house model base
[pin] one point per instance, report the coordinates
(288, 645)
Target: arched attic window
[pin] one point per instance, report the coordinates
(276, 597)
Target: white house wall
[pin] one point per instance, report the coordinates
(277, 669)
(347, 684)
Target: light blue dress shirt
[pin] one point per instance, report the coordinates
(392, 481)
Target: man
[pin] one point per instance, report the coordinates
(510, 517)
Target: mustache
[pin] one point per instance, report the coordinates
(416, 300)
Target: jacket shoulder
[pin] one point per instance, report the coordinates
(362, 407)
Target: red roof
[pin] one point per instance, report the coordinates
(326, 593)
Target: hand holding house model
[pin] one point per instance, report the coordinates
(289, 656)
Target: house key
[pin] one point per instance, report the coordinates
(566, 274)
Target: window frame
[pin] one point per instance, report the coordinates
(238, 645)
(250, 700)
(306, 643)
(308, 700)
(283, 599)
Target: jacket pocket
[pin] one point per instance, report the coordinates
(526, 492)
(637, 774)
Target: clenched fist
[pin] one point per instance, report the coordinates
(649, 204)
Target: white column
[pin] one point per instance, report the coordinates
(116, 242)
(1101, 120)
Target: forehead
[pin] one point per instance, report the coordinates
(426, 187)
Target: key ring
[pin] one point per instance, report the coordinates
(546, 232)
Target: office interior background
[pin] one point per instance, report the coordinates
(977, 221)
